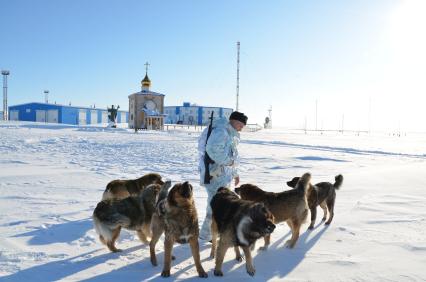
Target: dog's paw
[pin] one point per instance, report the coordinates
(154, 262)
(165, 273)
(202, 274)
(250, 270)
(289, 244)
(218, 273)
(311, 227)
(264, 248)
(324, 219)
(327, 223)
(173, 257)
(239, 258)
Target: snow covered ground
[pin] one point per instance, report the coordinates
(52, 176)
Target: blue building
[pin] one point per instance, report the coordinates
(55, 113)
(194, 114)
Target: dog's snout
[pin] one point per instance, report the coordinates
(271, 227)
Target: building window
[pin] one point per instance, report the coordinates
(28, 110)
(131, 117)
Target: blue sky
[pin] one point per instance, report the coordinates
(362, 62)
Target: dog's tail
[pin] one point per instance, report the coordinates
(107, 195)
(102, 229)
(106, 220)
(303, 182)
(339, 181)
(164, 191)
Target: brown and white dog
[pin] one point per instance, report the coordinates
(238, 223)
(322, 194)
(120, 189)
(176, 217)
(289, 206)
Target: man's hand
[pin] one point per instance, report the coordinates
(237, 180)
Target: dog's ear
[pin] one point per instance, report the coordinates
(186, 185)
(186, 190)
(256, 210)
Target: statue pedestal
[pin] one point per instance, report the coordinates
(112, 125)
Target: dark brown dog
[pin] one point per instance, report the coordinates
(322, 194)
(176, 216)
(133, 213)
(289, 206)
(239, 223)
(120, 189)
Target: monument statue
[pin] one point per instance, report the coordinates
(112, 116)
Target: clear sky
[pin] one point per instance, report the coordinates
(360, 63)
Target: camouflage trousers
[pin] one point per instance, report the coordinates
(205, 231)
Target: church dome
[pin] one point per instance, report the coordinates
(146, 82)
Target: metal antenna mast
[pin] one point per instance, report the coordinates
(238, 73)
(5, 73)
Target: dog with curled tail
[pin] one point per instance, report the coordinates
(288, 206)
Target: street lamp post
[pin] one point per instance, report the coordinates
(46, 100)
(46, 96)
(5, 73)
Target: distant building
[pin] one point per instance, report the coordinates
(146, 108)
(1, 115)
(55, 113)
(194, 114)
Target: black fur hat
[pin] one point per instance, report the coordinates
(239, 116)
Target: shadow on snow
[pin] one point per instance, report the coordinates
(58, 233)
